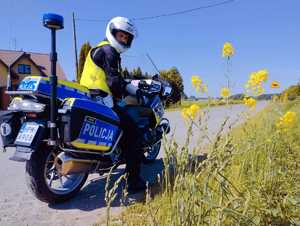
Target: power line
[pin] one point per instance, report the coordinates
(165, 14)
(184, 11)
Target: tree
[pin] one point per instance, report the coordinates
(125, 73)
(85, 48)
(174, 78)
(147, 75)
(137, 73)
(184, 96)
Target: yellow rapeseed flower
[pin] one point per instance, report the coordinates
(275, 85)
(228, 50)
(262, 75)
(204, 88)
(250, 102)
(255, 82)
(190, 112)
(225, 92)
(194, 108)
(196, 81)
(198, 84)
(286, 121)
(185, 113)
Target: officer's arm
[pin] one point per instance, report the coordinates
(108, 60)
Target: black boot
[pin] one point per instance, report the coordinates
(136, 185)
(134, 181)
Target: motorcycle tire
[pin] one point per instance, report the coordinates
(37, 182)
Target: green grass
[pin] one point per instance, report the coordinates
(202, 104)
(251, 177)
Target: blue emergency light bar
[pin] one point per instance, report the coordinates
(53, 21)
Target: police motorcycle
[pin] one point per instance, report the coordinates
(64, 134)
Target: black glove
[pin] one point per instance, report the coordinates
(140, 94)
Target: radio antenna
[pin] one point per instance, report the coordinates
(152, 62)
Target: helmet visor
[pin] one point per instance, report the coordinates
(122, 37)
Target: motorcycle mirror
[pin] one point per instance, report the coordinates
(167, 91)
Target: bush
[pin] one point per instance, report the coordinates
(174, 78)
(291, 93)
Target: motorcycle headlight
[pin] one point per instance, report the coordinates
(18, 104)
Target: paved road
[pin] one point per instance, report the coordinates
(19, 207)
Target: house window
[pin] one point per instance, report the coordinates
(24, 69)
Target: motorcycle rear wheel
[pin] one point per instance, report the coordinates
(41, 175)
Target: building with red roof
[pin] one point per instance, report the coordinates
(22, 64)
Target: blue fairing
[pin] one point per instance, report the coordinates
(93, 106)
(65, 90)
(62, 91)
(41, 86)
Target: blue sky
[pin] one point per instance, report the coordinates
(265, 34)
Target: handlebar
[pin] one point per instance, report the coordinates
(149, 87)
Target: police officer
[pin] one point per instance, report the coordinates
(102, 71)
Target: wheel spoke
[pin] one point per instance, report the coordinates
(58, 183)
(51, 178)
(50, 170)
(60, 180)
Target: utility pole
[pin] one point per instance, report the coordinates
(75, 45)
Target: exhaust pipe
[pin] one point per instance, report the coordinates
(66, 164)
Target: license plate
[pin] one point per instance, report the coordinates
(27, 133)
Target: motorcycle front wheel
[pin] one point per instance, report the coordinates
(46, 183)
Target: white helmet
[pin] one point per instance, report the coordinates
(120, 24)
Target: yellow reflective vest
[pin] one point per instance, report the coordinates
(93, 77)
